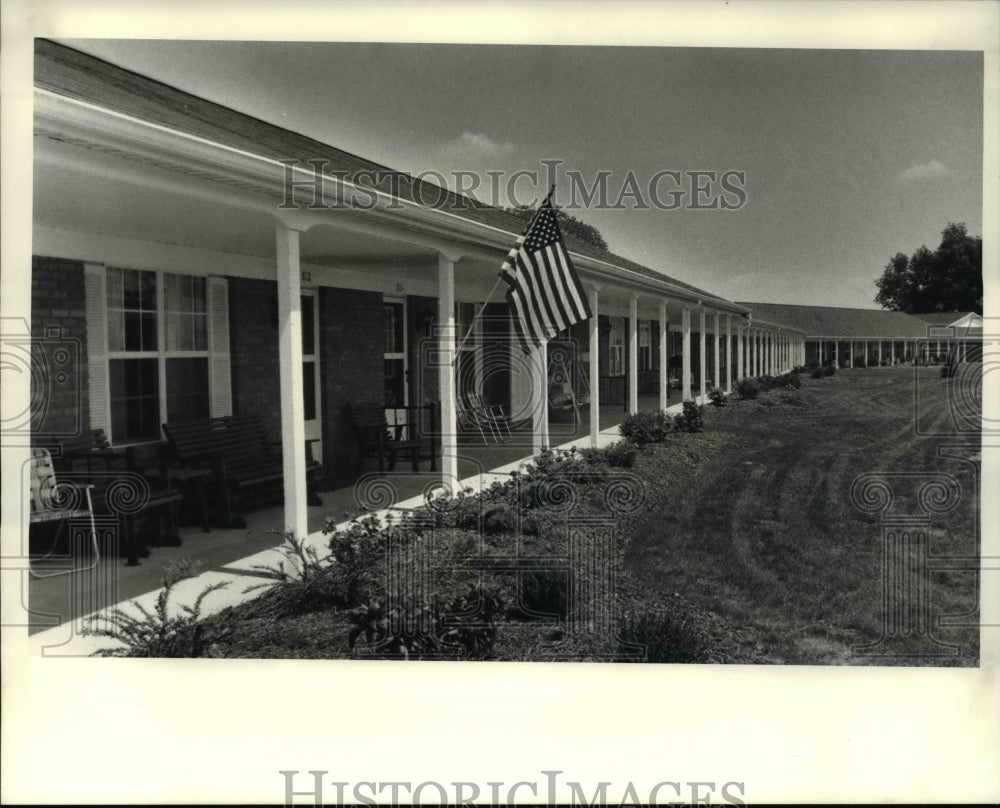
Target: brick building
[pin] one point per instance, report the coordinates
(180, 253)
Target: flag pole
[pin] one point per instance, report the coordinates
(472, 325)
(489, 297)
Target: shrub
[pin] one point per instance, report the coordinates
(829, 370)
(460, 626)
(620, 455)
(360, 551)
(747, 388)
(659, 635)
(646, 427)
(788, 380)
(690, 420)
(500, 518)
(818, 373)
(311, 586)
(156, 633)
(717, 397)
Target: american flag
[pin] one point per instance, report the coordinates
(545, 293)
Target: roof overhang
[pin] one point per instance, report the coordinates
(263, 182)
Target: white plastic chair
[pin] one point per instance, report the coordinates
(51, 502)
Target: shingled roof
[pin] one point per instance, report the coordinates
(845, 323)
(943, 318)
(71, 73)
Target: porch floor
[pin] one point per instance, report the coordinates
(57, 606)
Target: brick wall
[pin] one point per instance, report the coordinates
(59, 347)
(253, 350)
(351, 355)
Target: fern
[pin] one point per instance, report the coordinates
(155, 633)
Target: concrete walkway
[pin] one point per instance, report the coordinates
(242, 577)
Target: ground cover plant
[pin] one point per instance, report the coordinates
(730, 534)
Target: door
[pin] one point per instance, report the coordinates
(394, 375)
(310, 375)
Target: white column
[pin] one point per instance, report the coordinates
(664, 359)
(446, 370)
(540, 410)
(293, 429)
(686, 354)
(741, 345)
(850, 358)
(880, 353)
(715, 343)
(752, 352)
(729, 353)
(702, 370)
(836, 353)
(633, 354)
(595, 380)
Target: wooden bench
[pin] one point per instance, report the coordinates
(245, 464)
(412, 437)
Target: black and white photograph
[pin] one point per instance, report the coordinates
(355, 376)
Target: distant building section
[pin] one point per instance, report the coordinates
(851, 337)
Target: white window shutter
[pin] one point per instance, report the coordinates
(96, 307)
(219, 366)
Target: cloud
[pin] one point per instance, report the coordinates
(924, 171)
(477, 144)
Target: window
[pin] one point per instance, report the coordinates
(616, 347)
(645, 345)
(157, 351)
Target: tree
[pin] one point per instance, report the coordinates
(570, 225)
(948, 279)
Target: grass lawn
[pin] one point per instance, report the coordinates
(754, 527)
(747, 549)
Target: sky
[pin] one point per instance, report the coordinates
(847, 156)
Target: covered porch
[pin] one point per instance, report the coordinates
(60, 606)
(206, 274)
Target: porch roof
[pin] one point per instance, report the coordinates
(845, 323)
(70, 73)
